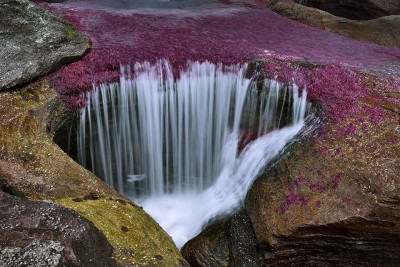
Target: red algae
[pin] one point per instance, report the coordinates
(228, 35)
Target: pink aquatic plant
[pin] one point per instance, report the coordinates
(228, 35)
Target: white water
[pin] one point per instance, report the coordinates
(173, 145)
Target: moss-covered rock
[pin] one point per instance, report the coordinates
(34, 166)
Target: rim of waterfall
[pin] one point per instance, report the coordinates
(152, 135)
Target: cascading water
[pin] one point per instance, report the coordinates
(186, 149)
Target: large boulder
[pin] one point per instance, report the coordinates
(38, 233)
(334, 198)
(358, 9)
(34, 42)
(383, 31)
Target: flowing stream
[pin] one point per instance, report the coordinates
(188, 148)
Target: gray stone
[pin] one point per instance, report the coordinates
(41, 233)
(42, 254)
(34, 42)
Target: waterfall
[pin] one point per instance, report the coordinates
(186, 148)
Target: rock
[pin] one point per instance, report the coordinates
(34, 42)
(383, 31)
(227, 242)
(358, 9)
(32, 165)
(209, 248)
(38, 233)
(335, 198)
(29, 160)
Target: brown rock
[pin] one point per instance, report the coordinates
(358, 9)
(228, 242)
(29, 160)
(209, 248)
(383, 31)
(32, 165)
(334, 200)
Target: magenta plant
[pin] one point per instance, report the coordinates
(293, 198)
(337, 90)
(228, 36)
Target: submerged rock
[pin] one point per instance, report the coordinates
(34, 42)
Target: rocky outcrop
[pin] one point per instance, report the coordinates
(38, 233)
(334, 198)
(358, 9)
(34, 42)
(383, 31)
(332, 202)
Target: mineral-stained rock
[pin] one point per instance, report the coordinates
(358, 9)
(335, 199)
(34, 42)
(383, 31)
(38, 233)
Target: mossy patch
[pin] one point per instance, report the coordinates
(71, 32)
(134, 236)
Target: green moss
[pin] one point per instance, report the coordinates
(136, 238)
(71, 32)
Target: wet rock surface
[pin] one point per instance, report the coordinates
(333, 199)
(38, 233)
(227, 242)
(34, 42)
(384, 30)
(304, 214)
(358, 9)
(209, 248)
